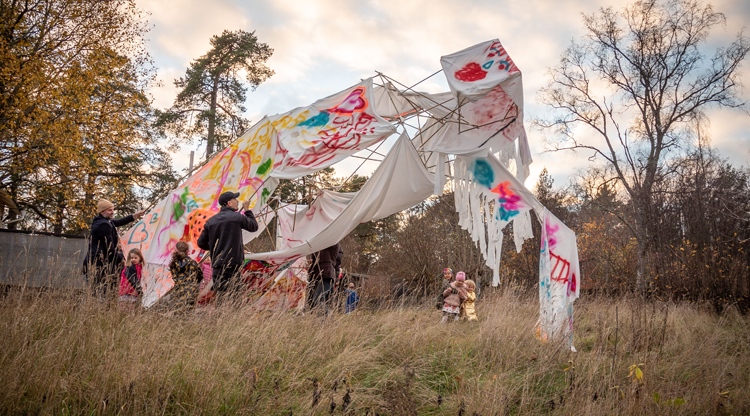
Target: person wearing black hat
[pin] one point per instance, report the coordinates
(222, 237)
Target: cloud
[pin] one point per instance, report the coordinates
(323, 46)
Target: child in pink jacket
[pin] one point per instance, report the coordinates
(453, 295)
(130, 281)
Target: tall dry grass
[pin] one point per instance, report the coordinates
(66, 353)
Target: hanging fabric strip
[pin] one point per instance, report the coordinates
(489, 254)
(522, 230)
(440, 174)
(496, 266)
(559, 277)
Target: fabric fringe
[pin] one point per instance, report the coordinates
(522, 230)
(477, 215)
(440, 174)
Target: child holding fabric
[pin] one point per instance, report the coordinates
(468, 311)
(453, 295)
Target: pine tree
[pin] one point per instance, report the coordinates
(210, 102)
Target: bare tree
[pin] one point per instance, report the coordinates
(640, 82)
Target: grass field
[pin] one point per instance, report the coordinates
(62, 353)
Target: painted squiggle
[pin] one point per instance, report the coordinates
(295, 143)
(509, 204)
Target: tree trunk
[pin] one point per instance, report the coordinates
(12, 216)
(212, 120)
(645, 230)
(59, 215)
(642, 267)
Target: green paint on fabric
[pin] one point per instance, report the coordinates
(179, 206)
(263, 169)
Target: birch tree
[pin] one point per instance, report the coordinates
(639, 82)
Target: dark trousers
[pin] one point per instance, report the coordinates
(225, 278)
(321, 293)
(103, 279)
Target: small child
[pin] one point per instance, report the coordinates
(447, 280)
(351, 298)
(186, 274)
(453, 295)
(130, 281)
(205, 295)
(468, 311)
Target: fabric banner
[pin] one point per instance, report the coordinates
(317, 136)
(490, 124)
(289, 219)
(385, 193)
(300, 223)
(287, 291)
(286, 145)
(484, 110)
(487, 197)
(559, 277)
(477, 70)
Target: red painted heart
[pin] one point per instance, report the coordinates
(470, 72)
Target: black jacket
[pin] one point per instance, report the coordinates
(323, 263)
(222, 237)
(103, 241)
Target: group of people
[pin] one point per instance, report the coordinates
(221, 238)
(457, 298)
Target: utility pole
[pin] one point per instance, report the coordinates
(190, 166)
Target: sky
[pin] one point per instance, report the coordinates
(324, 46)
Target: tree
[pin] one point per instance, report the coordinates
(417, 244)
(553, 200)
(209, 104)
(706, 233)
(74, 113)
(305, 189)
(640, 83)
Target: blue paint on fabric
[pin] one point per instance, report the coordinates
(321, 119)
(483, 173)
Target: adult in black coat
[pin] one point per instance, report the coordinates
(222, 237)
(104, 261)
(321, 275)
